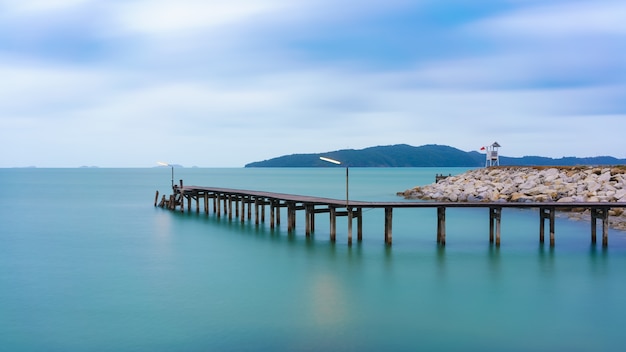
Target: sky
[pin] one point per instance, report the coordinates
(127, 83)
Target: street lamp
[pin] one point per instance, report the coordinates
(338, 163)
(170, 165)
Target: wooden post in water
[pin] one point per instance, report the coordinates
(546, 213)
(359, 224)
(441, 225)
(388, 222)
(600, 213)
(218, 208)
(272, 213)
(495, 216)
(230, 207)
(156, 198)
(291, 216)
(256, 211)
(206, 203)
(349, 226)
(243, 209)
(308, 214)
(333, 223)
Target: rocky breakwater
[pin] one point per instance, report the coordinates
(533, 184)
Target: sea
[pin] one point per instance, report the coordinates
(88, 263)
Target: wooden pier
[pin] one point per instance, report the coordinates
(239, 204)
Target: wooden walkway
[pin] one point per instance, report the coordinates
(240, 203)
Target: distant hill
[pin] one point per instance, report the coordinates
(430, 155)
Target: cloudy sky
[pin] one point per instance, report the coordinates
(125, 83)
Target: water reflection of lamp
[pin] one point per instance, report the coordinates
(338, 163)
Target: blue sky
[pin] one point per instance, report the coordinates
(122, 83)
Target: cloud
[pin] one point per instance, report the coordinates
(564, 19)
(16, 7)
(162, 16)
(127, 83)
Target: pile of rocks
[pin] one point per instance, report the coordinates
(532, 184)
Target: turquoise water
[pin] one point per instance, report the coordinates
(88, 263)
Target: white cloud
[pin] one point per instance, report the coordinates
(30, 6)
(163, 16)
(562, 19)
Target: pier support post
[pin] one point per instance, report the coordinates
(256, 211)
(156, 198)
(308, 215)
(230, 207)
(350, 226)
(243, 209)
(272, 213)
(495, 216)
(333, 223)
(441, 225)
(546, 213)
(218, 203)
(388, 222)
(603, 214)
(359, 224)
(249, 200)
(206, 203)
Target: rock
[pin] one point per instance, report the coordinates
(527, 184)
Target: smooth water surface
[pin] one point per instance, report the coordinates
(88, 263)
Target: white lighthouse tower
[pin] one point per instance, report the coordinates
(492, 155)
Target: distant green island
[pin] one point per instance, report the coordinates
(430, 155)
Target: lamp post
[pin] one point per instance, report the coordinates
(338, 163)
(170, 165)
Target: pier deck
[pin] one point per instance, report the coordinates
(234, 203)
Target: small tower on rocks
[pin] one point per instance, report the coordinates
(492, 155)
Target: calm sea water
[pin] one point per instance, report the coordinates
(87, 263)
